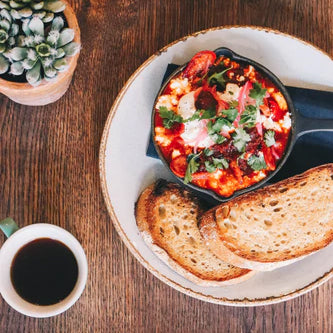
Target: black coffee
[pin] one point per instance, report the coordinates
(44, 271)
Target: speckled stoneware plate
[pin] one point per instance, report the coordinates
(125, 170)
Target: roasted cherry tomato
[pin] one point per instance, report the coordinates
(179, 165)
(278, 114)
(199, 64)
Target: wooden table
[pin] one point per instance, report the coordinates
(49, 170)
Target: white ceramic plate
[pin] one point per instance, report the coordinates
(125, 169)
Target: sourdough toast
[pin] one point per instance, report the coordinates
(276, 225)
(167, 216)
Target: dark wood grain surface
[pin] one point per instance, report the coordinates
(49, 170)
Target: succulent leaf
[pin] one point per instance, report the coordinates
(57, 23)
(3, 48)
(48, 17)
(33, 74)
(37, 5)
(18, 53)
(60, 64)
(11, 41)
(25, 12)
(16, 68)
(25, 27)
(60, 53)
(66, 36)
(16, 5)
(4, 64)
(4, 5)
(6, 15)
(28, 63)
(15, 14)
(36, 26)
(40, 14)
(54, 6)
(50, 72)
(14, 30)
(71, 49)
(4, 24)
(3, 36)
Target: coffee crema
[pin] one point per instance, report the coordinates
(44, 271)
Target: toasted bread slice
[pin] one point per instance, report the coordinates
(276, 225)
(167, 216)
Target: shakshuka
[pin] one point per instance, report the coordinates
(221, 125)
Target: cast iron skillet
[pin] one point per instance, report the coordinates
(299, 125)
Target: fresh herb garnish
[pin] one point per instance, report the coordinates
(269, 138)
(249, 116)
(202, 114)
(208, 152)
(231, 114)
(240, 138)
(214, 129)
(210, 167)
(169, 117)
(257, 162)
(218, 78)
(258, 93)
(216, 163)
(192, 167)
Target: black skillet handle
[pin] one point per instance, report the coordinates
(314, 110)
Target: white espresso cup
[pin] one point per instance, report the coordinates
(17, 238)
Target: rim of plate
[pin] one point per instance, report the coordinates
(114, 218)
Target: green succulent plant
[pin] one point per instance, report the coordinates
(39, 54)
(8, 32)
(44, 9)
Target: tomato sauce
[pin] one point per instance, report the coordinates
(221, 125)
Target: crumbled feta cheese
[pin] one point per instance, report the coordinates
(231, 92)
(165, 100)
(286, 122)
(175, 153)
(192, 132)
(180, 86)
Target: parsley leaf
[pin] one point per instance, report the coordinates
(240, 138)
(192, 167)
(169, 117)
(258, 93)
(257, 162)
(202, 114)
(216, 163)
(218, 78)
(210, 167)
(231, 114)
(269, 138)
(214, 129)
(208, 152)
(221, 163)
(249, 116)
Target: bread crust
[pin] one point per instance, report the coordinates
(143, 210)
(225, 247)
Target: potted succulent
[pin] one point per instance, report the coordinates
(39, 48)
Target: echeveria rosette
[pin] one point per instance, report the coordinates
(8, 32)
(42, 55)
(22, 9)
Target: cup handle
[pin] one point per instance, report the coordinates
(8, 226)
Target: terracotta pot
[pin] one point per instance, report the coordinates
(48, 91)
